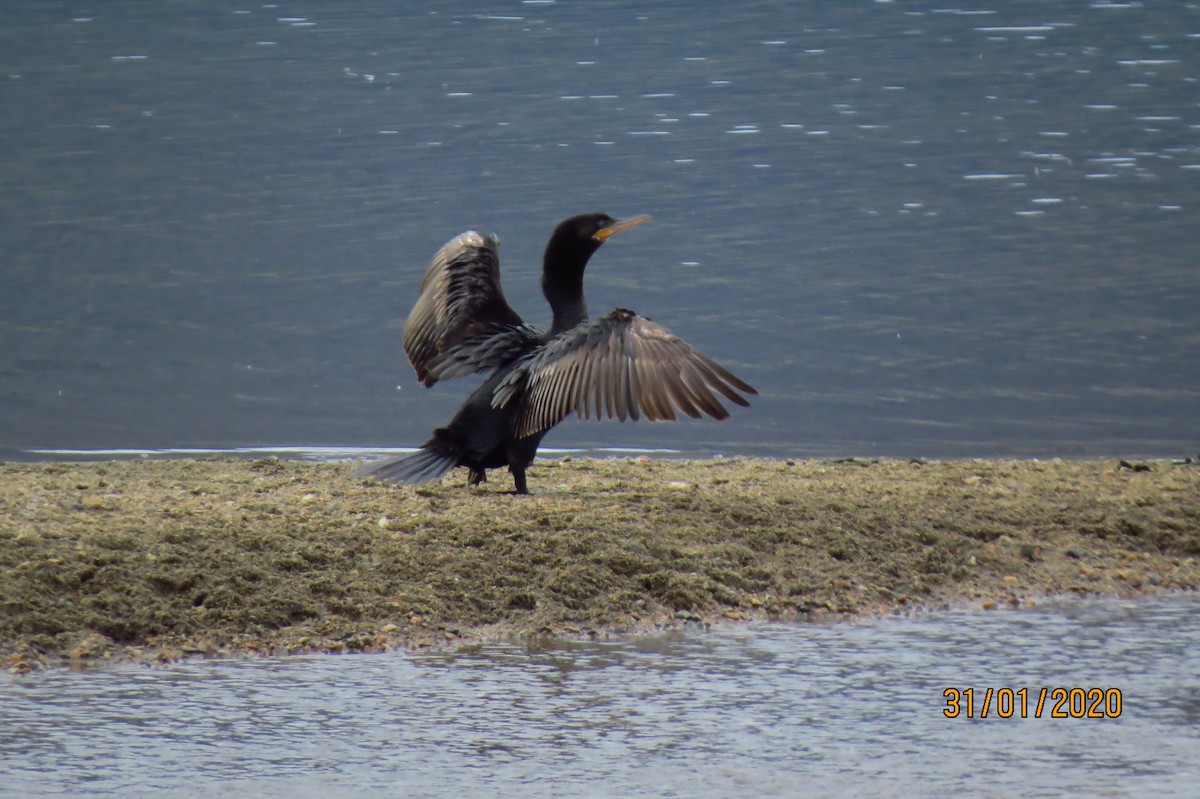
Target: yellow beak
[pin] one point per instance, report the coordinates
(621, 224)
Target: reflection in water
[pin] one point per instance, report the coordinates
(920, 231)
(822, 710)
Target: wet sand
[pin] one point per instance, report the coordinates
(155, 560)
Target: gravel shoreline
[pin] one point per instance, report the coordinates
(156, 560)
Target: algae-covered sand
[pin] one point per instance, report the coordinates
(159, 559)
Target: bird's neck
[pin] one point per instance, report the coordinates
(565, 295)
(562, 282)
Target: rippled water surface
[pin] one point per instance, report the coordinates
(776, 710)
(918, 229)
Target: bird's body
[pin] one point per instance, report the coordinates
(620, 365)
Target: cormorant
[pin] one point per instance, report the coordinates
(621, 365)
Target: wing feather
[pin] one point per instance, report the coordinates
(577, 383)
(700, 392)
(680, 396)
(608, 378)
(625, 404)
(461, 322)
(622, 365)
(720, 379)
(657, 409)
(649, 359)
(587, 367)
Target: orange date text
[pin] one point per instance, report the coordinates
(1024, 703)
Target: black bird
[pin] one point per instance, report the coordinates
(620, 365)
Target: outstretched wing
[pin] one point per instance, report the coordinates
(620, 365)
(461, 323)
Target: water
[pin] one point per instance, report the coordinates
(917, 229)
(817, 710)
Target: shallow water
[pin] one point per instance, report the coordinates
(918, 230)
(766, 710)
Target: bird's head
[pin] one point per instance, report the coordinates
(575, 239)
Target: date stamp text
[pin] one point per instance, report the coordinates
(1023, 703)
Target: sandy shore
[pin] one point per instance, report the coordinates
(160, 559)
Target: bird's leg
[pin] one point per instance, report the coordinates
(476, 477)
(518, 473)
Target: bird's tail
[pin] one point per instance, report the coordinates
(431, 462)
